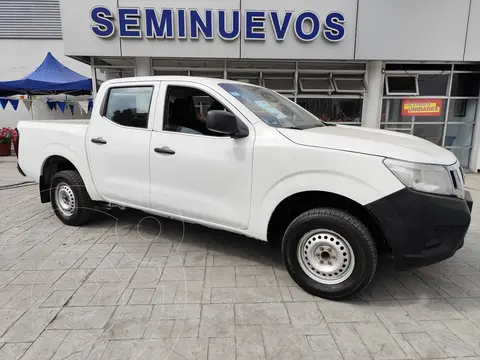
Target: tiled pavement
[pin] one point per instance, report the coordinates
(132, 288)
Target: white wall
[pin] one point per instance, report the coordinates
(19, 58)
(472, 50)
(411, 30)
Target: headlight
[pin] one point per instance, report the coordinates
(434, 179)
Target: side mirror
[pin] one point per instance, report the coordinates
(223, 122)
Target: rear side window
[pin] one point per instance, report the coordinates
(129, 106)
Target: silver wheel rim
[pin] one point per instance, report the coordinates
(326, 256)
(65, 199)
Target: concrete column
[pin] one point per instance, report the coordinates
(143, 67)
(372, 105)
(474, 164)
(94, 78)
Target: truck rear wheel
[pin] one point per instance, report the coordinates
(69, 197)
(329, 253)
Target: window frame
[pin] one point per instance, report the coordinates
(151, 107)
(284, 77)
(387, 85)
(329, 78)
(362, 79)
(165, 93)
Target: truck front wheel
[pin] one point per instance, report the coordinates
(70, 200)
(329, 253)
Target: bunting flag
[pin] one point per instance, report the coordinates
(14, 103)
(61, 105)
(84, 106)
(28, 104)
(52, 105)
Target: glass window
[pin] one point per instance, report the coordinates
(333, 66)
(208, 74)
(392, 111)
(334, 110)
(203, 104)
(402, 85)
(187, 109)
(170, 72)
(462, 110)
(402, 127)
(129, 106)
(280, 84)
(350, 85)
(245, 77)
(430, 132)
(433, 85)
(463, 155)
(418, 67)
(104, 74)
(459, 135)
(316, 84)
(429, 118)
(466, 84)
(272, 108)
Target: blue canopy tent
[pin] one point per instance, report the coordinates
(51, 77)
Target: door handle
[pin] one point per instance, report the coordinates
(99, 140)
(164, 150)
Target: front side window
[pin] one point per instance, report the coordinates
(187, 109)
(272, 108)
(129, 106)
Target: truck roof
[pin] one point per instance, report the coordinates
(202, 80)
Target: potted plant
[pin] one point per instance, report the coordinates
(7, 136)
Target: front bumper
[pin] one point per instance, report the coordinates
(422, 229)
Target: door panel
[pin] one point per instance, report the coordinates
(120, 167)
(119, 154)
(207, 178)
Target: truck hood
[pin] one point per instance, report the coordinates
(372, 142)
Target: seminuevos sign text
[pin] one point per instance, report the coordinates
(183, 24)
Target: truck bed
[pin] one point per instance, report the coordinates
(42, 139)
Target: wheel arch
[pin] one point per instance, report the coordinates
(52, 165)
(296, 204)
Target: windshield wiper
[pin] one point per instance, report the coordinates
(293, 127)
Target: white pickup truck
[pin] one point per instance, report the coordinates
(245, 159)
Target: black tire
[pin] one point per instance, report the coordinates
(82, 210)
(354, 232)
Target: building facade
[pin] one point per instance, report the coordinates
(408, 66)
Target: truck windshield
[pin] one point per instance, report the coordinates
(272, 108)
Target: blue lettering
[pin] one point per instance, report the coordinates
(300, 22)
(104, 26)
(280, 29)
(335, 31)
(129, 22)
(222, 25)
(182, 28)
(255, 25)
(198, 25)
(156, 28)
